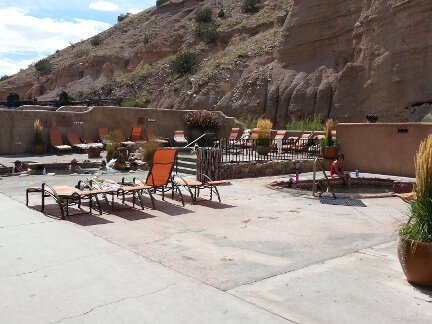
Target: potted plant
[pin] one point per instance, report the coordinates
(415, 245)
(263, 141)
(111, 145)
(199, 122)
(329, 146)
(38, 143)
(150, 148)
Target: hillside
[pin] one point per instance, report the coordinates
(340, 58)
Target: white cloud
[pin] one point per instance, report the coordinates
(103, 6)
(134, 11)
(24, 35)
(10, 66)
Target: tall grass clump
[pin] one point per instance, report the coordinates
(204, 15)
(306, 123)
(419, 227)
(264, 135)
(328, 140)
(209, 34)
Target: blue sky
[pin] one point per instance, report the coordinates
(33, 29)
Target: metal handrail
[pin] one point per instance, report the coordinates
(194, 141)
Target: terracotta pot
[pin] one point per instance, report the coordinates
(263, 150)
(329, 152)
(38, 149)
(416, 260)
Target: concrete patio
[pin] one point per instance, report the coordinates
(259, 256)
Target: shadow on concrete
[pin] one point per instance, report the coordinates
(423, 290)
(88, 220)
(213, 204)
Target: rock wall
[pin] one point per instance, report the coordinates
(348, 58)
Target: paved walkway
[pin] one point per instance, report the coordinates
(262, 256)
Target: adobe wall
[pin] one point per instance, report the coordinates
(16, 126)
(382, 148)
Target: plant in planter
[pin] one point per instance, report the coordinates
(202, 121)
(38, 143)
(111, 144)
(263, 141)
(415, 246)
(150, 148)
(329, 146)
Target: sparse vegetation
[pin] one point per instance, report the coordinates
(43, 66)
(204, 15)
(5, 77)
(137, 103)
(96, 40)
(123, 16)
(184, 63)
(209, 34)
(249, 6)
(306, 123)
(82, 52)
(148, 37)
(249, 121)
(161, 2)
(221, 13)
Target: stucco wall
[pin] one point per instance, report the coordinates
(16, 126)
(382, 148)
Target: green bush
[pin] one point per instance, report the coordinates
(250, 5)
(204, 15)
(221, 13)
(161, 2)
(43, 66)
(306, 123)
(208, 34)
(249, 121)
(137, 103)
(96, 40)
(184, 63)
(123, 16)
(5, 77)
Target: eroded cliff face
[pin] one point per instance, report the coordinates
(348, 58)
(340, 58)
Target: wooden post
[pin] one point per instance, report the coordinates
(208, 163)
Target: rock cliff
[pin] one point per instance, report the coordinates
(339, 58)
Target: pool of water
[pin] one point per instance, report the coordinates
(361, 187)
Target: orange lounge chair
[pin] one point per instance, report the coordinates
(179, 138)
(279, 137)
(160, 175)
(103, 133)
(136, 134)
(151, 136)
(234, 134)
(253, 136)
(194, 186)
(57, 142)
(66, 196)
(91, 142)
(75, 142)
(106, 187)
